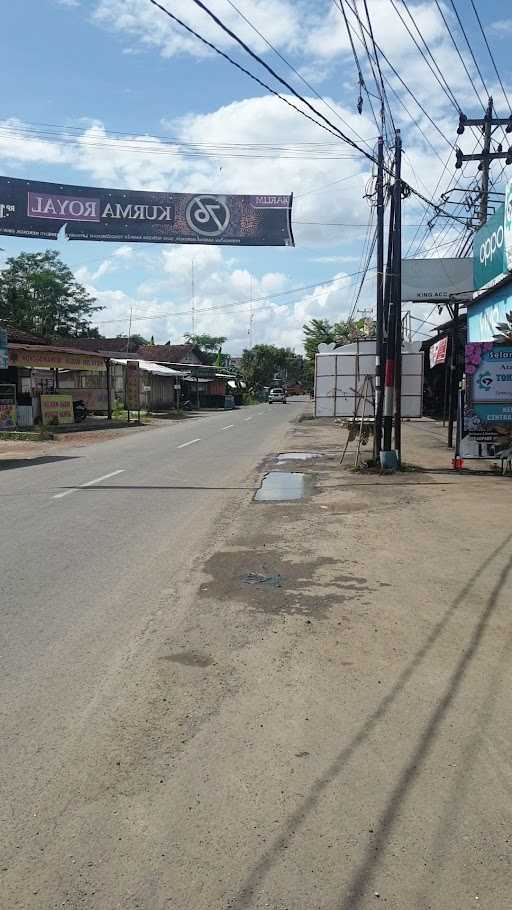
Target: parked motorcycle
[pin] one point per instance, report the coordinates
(79, 410)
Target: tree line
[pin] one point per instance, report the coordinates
(39, 294)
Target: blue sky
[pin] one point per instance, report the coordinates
(77, 71)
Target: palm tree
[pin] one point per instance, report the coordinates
(505, 330)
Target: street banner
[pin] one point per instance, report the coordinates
(37, 356)
(132, 385)
(437, 280)
(57, 409)
(487, 426)
(437, 352)
(30, 208)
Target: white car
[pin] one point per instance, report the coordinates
(277, 395)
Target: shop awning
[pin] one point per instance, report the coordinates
(149, 366)
(52, 358)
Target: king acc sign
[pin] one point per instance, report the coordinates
(41, 210)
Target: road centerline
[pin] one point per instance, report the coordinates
(229, 426)
(189, 443)
(88, 484)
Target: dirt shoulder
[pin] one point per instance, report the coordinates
(350, 702)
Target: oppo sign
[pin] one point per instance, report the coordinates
(489, 260)
(491, 245)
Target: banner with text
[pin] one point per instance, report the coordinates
(30, 208)
(487, 427)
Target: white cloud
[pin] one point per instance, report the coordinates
(502, 28)
(279, 20)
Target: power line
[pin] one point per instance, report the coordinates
(469, 46)
(362, 83)
(383, 95)
(266, 66)
(334, 131)
(441, 81)
(299, 75)
(326, 186)
(491, 55)
(306, 287)
(456, 46)
(337, 132)
(404, 84)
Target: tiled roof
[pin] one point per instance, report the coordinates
(170, 353)
(19, 336)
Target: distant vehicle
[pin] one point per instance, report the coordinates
(277, 394)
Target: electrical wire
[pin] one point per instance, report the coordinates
(330, 128)
(362, 83)
(333, 130)
(383, 95)
(325, 186)
(469, 46)
(307, 287)
(441, 81)
(491, 55)
(299, 75)
(404, 84)
(461, 58)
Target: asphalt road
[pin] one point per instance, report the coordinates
(96, 546)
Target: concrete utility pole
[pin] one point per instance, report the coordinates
(379, 354)
(485, 156)
(484, 191)
(393, 372)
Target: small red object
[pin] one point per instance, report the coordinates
(457, 463)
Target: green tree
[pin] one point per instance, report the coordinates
(208, 344)
(264, 363)
(136, 341)
(321, 331)
(38, 293)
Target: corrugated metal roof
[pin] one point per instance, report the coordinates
(150, 367)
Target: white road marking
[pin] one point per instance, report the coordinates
(88, 484)
(228, 426)
(247, 418)
(190, 443)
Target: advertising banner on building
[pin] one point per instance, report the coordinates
(436, 279)
(507, 226)
(57, 409)
(487, 426)
(489, 261)
(7, 406)
(437, 353)
(53, 358)
(30, 208)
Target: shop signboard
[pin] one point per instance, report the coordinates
(485, 315)
(34, 356)
(489, 260)
(30, 208)
(437, 353)
(436, 279)
(487, 428)
(7, 406)
(507, 225)
(132, 385)
(57, 409)
(4, 355)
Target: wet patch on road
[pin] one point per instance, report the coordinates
(284, 486)
(309, 589)
(188, 659)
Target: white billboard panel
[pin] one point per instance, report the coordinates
(437, 280)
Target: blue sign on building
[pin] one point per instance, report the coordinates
(484, 317)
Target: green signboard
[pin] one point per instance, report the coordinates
(489, 256)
